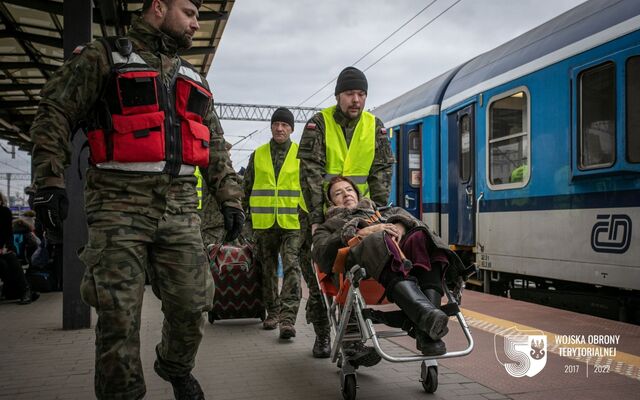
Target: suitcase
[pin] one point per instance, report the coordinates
(238, 281)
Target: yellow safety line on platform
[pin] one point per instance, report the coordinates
(625, 364)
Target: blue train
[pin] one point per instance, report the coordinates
(527, 160)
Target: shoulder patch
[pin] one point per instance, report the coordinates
(384, 130)
(310, 125)
(78, 49)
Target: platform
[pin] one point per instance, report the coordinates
(238, 360)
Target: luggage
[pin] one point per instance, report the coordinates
(238, 282)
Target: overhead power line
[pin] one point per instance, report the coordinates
(370, 51)
(401, 43)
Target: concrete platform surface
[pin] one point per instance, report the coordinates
(237, 360)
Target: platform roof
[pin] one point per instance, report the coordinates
(31, 50)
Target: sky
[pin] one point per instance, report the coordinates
(280, 52)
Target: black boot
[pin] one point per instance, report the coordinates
(29, 297)
(322, 346)
(426, 317)
(184, 387)
(424, 343)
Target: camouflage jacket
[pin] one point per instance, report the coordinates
(68, 101)
(312, 155)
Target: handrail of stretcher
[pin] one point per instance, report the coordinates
(366, 325)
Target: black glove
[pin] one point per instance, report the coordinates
(233, 222)
(51, 206)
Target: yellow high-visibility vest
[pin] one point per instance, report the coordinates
(198, 175)
(276, 199)
(355, 161)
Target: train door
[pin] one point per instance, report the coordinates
(461, 166)
(409, 169)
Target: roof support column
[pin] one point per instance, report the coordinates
(75, 313)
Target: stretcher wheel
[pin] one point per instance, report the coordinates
(349, 387)
(429, 378)
(211, 316)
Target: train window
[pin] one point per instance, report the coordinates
(414, 159)
(633, 109)
(597, 117)
(509, 140)
(465, 148)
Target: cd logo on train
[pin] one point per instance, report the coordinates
(611, 234)
(521, 353)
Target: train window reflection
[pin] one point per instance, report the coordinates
(597, 117)
(414, 159)
(465, 148)
(633, 109)
(509, 140)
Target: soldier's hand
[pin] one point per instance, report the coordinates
(51, 206)
(233, 222)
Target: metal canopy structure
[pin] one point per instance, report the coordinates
(31, 50)
(260, 112)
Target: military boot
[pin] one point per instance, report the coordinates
(425, 316)
(184, 387)
(361, 355)
(287, 331)
(322, 346)
(271, 322)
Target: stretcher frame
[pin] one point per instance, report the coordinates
(340, 314)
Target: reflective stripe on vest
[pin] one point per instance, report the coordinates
(198, 175)
(353, 162)
(275, 200)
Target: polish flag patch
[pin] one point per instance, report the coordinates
(384, 130)
(78, 50)
(310, 125)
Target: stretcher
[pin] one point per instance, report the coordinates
(350, 293)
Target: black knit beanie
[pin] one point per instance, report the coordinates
(283, 114)
(351, 78)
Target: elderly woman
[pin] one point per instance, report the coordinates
(397, 250)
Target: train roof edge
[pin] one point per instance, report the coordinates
(459, 83)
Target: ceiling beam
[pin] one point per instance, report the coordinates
(28, 64)
(33, 37)
(52, 7)
(7, 87)
(6, 104)
(195, 51)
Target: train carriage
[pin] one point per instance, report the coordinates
(527, 158)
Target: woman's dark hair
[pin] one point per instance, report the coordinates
(337, 179)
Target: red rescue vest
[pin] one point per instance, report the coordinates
(141, 120)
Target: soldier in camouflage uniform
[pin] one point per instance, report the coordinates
(272, 195)
(212, 226)
(318, 163)
(140, 194)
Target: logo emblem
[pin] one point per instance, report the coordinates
(521, 353)
(611, 234)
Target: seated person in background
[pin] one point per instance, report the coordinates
(24, 240)
(15, 285)
(383, 240)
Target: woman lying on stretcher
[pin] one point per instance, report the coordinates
(397, 250)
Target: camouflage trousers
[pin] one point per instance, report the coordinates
(316, 313)
(270, 243)
(123, 247)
